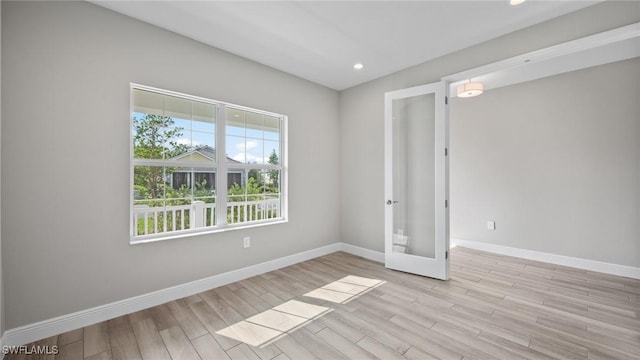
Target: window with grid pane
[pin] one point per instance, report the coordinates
(199, 165)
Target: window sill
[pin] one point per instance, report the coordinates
(191, 233)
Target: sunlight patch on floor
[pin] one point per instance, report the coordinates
(273, 323)
(249, 333)
(345, 289)
(277, 320)
(269, 325)
(300, 308)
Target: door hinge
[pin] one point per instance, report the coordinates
(446, 254)
(446, 152)
(446, 203)
(446, 100)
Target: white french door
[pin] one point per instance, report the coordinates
(417, 180)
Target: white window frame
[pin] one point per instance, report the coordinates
(221, 168)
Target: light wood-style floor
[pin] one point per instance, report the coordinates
(494, 307)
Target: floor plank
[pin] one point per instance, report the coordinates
(123, 341)
(191, 326)
(72, 351)
(96, 339)
(149, 340)
(208, 348)
(178, 344)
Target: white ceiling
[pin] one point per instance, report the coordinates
(321, 40)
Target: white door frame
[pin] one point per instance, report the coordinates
(437, 267)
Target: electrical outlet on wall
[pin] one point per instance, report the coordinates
(246, 242)
(491, 225)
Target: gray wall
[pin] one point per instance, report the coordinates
(555, 162)
(362, 137)
(65, 158)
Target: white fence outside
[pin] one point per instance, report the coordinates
(198, 214)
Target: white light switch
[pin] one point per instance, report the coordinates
(491, 225)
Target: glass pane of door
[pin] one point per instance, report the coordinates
(414, 220)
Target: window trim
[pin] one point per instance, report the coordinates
(221, 167)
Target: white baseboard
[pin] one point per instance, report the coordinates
(585, 264)
(43, 329)
(362, 252)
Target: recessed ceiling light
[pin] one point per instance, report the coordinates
(358, 66)
(516, 2)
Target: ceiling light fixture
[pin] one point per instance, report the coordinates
(470, 89)
(516, 2)
(358, 66)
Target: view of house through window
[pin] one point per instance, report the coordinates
(201, 165)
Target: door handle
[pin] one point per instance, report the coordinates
(389, 202)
